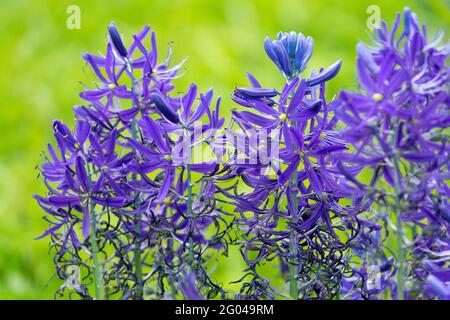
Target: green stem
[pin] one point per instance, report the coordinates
(190, 211)
(137, 248)
(293, 289)
(398, 210)
(173, 289)
(98, 279)
(400, 251)
(138, 262)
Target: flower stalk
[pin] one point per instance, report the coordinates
(98, 278)
(190, 211)
(293, 289)
(399, 223)
(137, 245)
(138, 262)
(98, 274)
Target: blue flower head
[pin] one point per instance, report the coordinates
(290, 52)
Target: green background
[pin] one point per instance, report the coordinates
(41, 68)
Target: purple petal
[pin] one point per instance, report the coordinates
(327, 74)
(113, 202)
(82, 176)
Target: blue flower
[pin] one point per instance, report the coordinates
(290, 52)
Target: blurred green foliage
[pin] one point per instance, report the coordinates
(42, 66)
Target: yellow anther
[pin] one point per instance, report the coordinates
(323, 135)
(77, 146)
(112, 86)
(377, 97)
(166, 200)
(105, 169)
(283, 116)
(302, 154)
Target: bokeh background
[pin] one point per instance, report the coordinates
(41, 68)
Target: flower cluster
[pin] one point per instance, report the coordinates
(342, 198)
(397, 126)
(121, 201)
(291, 204)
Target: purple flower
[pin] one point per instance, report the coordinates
(119, 180)
(395, 124)
(75, 188)
(295, 212)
